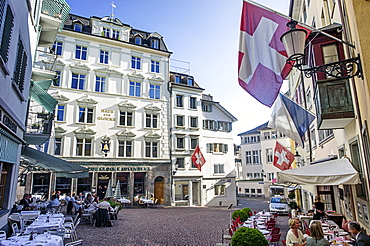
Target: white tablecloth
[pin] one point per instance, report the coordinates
(40, 224)
(144, 200)
(124, 200)
(39, 241)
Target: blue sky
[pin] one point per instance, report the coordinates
(204, 33)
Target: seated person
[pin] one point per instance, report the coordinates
(102, 214)
(24, 202)
(317, 235)
(294, 236)
(94, 206)
(54, 202)
(137, 198)
(88, 200)
(105, 205)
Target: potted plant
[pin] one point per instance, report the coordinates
(291, 195)
(35, 126)
(243, 214)
(248, 237)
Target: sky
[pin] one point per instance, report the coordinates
(202, 33)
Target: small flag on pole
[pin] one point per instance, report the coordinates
(283, 158)
(198, 158)
(113, 5)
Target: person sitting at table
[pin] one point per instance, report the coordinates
(25, 202)
(317, 235)
(294, 236)
(88, 200)
(361, 239)
(319, 209)
(54, 202)
(137, 199)
(102, 214)
(94, 205)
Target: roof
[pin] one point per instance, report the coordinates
(217, 104)
(256, 130)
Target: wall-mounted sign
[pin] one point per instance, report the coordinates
(107, 115)
(105, 145)
(118, 169)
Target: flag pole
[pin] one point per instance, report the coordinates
(301, 23)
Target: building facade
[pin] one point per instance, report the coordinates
(112, 111)
(197, 120)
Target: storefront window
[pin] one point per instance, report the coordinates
(123, 181)
(5, 170)
(84, 184)
(103, 180)
(41, 182)
(63, 185)
(139, 187)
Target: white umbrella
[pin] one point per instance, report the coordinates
(109, 192)
(117, 192)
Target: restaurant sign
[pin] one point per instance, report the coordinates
(118, 169)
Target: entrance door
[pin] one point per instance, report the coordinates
(185, 192)
(159, 189)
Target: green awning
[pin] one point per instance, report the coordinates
(42, 97)
(61, 167)
(44, 84)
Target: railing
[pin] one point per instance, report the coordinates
(40, 123)
(57, 9)
(45, 60)
(208, 97)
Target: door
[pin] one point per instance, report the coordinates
(159, 190)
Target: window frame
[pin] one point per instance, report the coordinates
(104, 57)
(151, 120)
(81, 52)
(125, 118)
(125, 149)
(88, 115)
(151, 149)
(85, 144)
(179, 101)
(154, 91)
(63, 112)
(192, 103)
(79, 80)
(135, 89)
(154, 66)
(136, 62)
(100, 84)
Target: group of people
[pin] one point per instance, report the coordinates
(295, 237)
(90, 202)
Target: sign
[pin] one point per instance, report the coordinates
(118, 169)
(107, 115)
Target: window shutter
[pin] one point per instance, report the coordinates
(203, 123)
(212, 147)
(208, 148)
(225, 148)
(7, 33)
(20, 66)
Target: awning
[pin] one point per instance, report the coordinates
(42, 97)
(334, 172)
(61, 167)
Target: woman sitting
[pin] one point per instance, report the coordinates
(317, 235)
(294, 236)
(94, 206)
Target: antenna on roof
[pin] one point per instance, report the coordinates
(113, 7)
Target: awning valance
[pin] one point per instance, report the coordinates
(42, 97)
(334, 172)
(61, 167)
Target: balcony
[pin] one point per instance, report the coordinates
(44, 66)
(53, 15)
(334, 106)
(39, 127)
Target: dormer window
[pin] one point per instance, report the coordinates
(191, 81)
(154, 43)
(77, 27)
(177, 79)
(138, 40)
(106, 32)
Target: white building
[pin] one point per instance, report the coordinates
(257, 154)
(198, 120)
(112, 112)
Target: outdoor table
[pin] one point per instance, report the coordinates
(40, 224)
(263, 231)
(124, 200)
(40, 240)
(266, 214)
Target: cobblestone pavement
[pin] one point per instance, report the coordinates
(165, 226)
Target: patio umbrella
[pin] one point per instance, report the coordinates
(109, 192)
(117, 192)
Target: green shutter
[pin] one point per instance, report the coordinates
(7, 33)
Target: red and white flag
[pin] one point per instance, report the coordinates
(262, 57)
(198, 158)
(283, 158)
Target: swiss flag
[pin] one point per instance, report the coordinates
(198, 158)
(262, 57)
(283, 158)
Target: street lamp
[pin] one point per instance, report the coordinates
(297, 158)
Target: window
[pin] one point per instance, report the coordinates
(104, 56)
(248, 156)
(83, 147)
(255, 157)
(180, 120)
(193, 142)
(330, 53)
(151, 149)
(180, 142)
(218, 169)
(125, 118)
(256, 175)
(106, 32)
(357, 164)
(178, 79)
(138, 40)
(246, 190)
(269, 155)
(151, 120)
(249, 175)
(81, 52)
(7, 34)
(154, 43)
(78, 81)
(60, 112)
(85, 115)
(125, 148)
(179, 101)
(115, 34)
(155, 91)
(259, 191)
(209, 124)
(313, 137)
(220, 190)
(271, 176)
(193, 122)
(57, 48)
(180, 162)
(266, 135)
(99, 84)
(206, 107)
(154, 68)
(57, 146)
(325, 134)
(193, 102)
(77, 27)
(20, 67)
(135, 89)
(56, 81)
(135, 62)
(219, 147)
(224, 126)
(191, 81)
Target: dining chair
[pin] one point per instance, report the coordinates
(78, 242)
(275, 238)
(2, 235)
(15, 229)
(275, 231)
(58, 232)
(283, 242)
